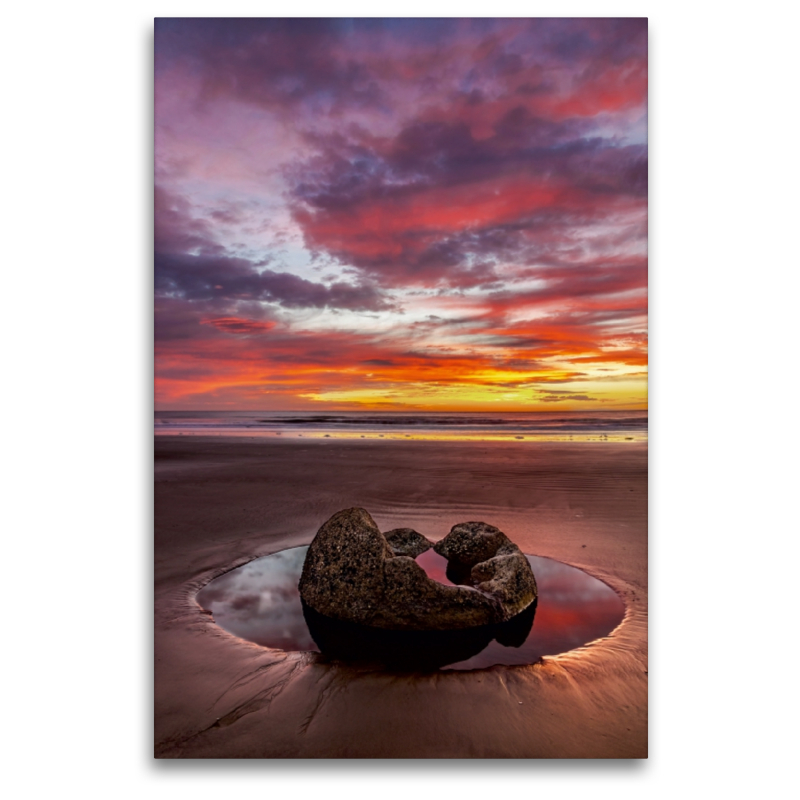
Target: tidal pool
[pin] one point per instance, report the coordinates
(260, 602)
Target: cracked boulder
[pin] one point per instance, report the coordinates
(484, 557)
(354, 573)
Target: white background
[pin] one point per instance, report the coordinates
(77, 368)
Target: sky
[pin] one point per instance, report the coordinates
(429, 214)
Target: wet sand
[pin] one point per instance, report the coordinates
(222, 502)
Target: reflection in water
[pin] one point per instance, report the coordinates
(260, 602)
(418, 650)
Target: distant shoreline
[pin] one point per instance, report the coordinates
(467, 426)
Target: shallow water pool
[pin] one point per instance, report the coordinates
(260, 602)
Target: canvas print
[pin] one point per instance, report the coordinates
(400, 388)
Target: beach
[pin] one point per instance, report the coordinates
(221, 501)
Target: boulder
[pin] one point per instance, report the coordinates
(469, 543)
(343, 572)
(492, 562)
(407, 542)
(354, 573)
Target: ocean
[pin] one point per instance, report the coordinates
(583, 426)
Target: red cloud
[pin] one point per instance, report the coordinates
(246, 327)
(490, 170)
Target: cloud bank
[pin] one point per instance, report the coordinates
(426, 213)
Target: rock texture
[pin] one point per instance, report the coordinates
(354, 573)
(407, 542)
(343, 574)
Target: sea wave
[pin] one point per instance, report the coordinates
(460, 424)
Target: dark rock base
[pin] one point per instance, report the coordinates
(411, 651)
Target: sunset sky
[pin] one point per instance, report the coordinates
(401, 214)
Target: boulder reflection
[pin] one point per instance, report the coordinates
(412, 650)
